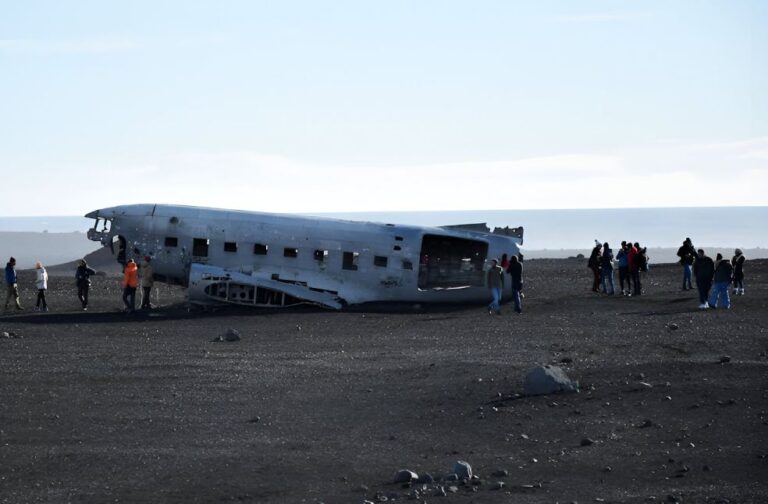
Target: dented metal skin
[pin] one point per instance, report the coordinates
(328, 262)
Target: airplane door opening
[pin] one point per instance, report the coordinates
(119, 240)
(446, 261)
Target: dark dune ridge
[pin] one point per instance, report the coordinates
(318, 406)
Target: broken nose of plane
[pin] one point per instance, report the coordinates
(92, 215)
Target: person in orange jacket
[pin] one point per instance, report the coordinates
(130, 283)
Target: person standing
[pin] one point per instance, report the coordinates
(594, 264)
(12, 285)
(130, 284)
(634, 269)
(720, 283)
(606, 265)
(146, 283)
(703, 270)
(623, 261)
(687, 255)
(41, 283)
(83, 281)
(495, 281)
(738, 272)
(516, 273)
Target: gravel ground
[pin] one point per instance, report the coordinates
(317, 406)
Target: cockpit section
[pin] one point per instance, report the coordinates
(100, 230)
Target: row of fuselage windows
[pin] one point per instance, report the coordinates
(349, 259)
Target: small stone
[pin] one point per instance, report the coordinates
(645, 385)
(500, 473)
(452, 477)
(498, 485)
(607, 469)
(405, 476)
(6, 334)
(667, 398)
(524, 436)
(566, 360)
(673, 327)
(425, 479)
(724, 359)
(462, 469)
(534, 460)
(232, 335)
(440, 492)
(706, 468)
(453, 489)
(587, 442)
(362, 488)
(255, 419)
(647, 423)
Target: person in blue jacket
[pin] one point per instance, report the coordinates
(12, 285)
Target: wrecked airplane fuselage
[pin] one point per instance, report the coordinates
(262, 259)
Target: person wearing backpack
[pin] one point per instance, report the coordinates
(738, 272)
(703, 270)
(720, 283)
(623, 260)
(594, 264)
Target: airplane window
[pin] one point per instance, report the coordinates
(171, 241)
(350, 261)
(398, 238)
(397, 247)
(260, 249)
(230, 246)
(320, 255)
(200, 247)
(290, 252)
(380, 261)
(407, 265)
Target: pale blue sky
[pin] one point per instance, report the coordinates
(361, 105)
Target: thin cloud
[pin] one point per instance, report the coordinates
(601, 17)
(82, 46)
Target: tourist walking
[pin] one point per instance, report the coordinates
(83, 281)
(495, 281)
(130, 284)
(720, 283)
(147, 281)
(41, 282)
(687, 255)
(516, 273)
(606, 269)
(11, 284)
(594, 264)
(738, 272)
(703, 270)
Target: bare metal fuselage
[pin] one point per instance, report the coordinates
(261, 259)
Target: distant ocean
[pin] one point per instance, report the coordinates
(725, 228)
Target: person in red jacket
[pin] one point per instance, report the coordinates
(130, 283)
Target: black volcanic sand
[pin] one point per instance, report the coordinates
(318, 406)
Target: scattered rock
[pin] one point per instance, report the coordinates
(647, 423)
(548, 380)
(440, 492)
(255, 419)
(566, 360)
(462, 469)
(500, 473)
(232, 335)
(672, 326)
(587, 442)
(498, 485)
(453, 489)
(425, 479)
(405, 476)
(724, 359)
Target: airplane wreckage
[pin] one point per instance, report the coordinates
(276, 260)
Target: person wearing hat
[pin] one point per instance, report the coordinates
(83, 282)
(687, 255)
(130, 283)
(738, 272)
(146, 283)
(12, 286)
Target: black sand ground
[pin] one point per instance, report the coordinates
(318, 406)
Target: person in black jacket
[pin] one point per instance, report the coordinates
(703, 270)
(720, 282)
(606, 269)
(687, 255)
(83, 281)
(594, 264)
(515, 270)
(738, 272)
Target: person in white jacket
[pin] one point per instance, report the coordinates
(42, 285)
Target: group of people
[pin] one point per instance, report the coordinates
(631, 260)
(513, 266)
(133, 276)
(713, 277)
